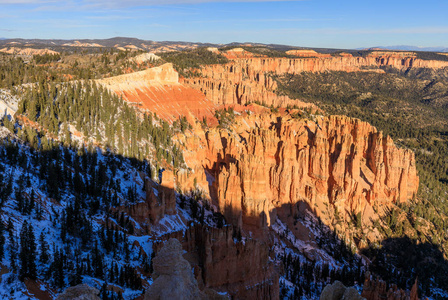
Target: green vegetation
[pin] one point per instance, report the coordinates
(260, 50)
(15, 71)
(46, 58)
(425, 55)
(188, 63)
(411, 108)
(225, 117)
(95, 112)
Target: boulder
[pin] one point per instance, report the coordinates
(79, 292)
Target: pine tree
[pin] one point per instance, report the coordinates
(27, 253)
(20, 201)
(43, 246)
(12, 246)
(57, 267)
(38, 211)
(2, 241)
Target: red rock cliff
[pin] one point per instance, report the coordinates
(268, 162)
(158, 90)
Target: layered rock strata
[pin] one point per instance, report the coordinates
(158, 90)
(271, 162)
(247, 78)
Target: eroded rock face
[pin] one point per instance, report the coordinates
(172, 275)
(158, 90)
(242, 269)
(271, 162)
(239, 83)
(375, 289)
(246, 78)
(80, 292)
(160, 201)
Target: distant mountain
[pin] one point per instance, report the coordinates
(134, 43)
(409, 48)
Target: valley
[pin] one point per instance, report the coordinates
(278, 170)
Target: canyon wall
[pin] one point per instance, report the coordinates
(240, 268)
(374, 289)
(158, 90)
(270, 163)
(160, 201)
(247, 78)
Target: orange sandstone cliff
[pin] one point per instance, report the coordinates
(271, 164)
(158, 90)
(248, 78)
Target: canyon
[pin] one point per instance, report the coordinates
(269, 164)
(245, 171)
(265, 164)
(247, 78)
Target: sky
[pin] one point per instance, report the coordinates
(308, 23)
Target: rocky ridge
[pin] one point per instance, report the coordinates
(158, 90)
(273, 164)
(248, 78)
(27, 51)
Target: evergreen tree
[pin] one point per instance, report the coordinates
(27, 253)
(43, 246)
(12, 246)
(2, 241)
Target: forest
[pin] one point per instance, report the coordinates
(411, 108)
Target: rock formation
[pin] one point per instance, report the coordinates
(160, 201)
(172, 275)
(79, 292)
(306, 53)
(27, 51)
(269, 163)
(158, 90)
(144, 57)
(248, 78)
(242, 269)
(239, 83)
(377, 289)
(338, 291)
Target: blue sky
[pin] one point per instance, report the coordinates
(310, 23)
